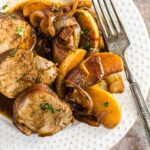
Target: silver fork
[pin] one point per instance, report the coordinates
(117, 42)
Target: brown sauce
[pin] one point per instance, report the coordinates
(6, 106)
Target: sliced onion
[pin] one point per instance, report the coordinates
(47, 27)
(36, 17)
(79, 4)
(77, 34)
(97, 67)
(86, 100)
(89, 119)
(64, 15)
(51, 28)
(74, 8)
(85, 4)
(44, 25)
(59, 24)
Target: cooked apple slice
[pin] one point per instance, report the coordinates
(85, 3)
(71, 61)
(102, 85)
(102, 43)
(112, 63)
(95, 68)
(106, 108)
(115, 82)
(34, 6)
(90, 38)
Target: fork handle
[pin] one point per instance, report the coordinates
(143, 110)
(140, 102)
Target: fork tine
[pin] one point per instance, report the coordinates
(113, 15)
(101, 18)
(108, 19)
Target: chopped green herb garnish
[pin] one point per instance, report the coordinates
(20, 31)
(37, 80)
(85, 32)
(46, 106)
(13, 52)
(91, 49)
(4, 7)
(12, 16)
(86, 43)
(87, 46)
(106, 104)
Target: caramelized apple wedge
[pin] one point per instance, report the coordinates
(71, 61)
(85, 3)
(95, 68)
(115, 82)
(90, 38)
(112, 63)
(105, 107)
(102, 85)
(29, 8)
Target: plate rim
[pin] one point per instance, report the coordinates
(146, 31)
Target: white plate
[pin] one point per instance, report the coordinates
(82, 136)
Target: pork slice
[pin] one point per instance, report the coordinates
(21, 69)
(15, 32)
(39, 110)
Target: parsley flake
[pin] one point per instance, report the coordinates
(85, 32)
(91, 49)
(4, 7)
(87, 46)
(20, 31)
(106, 104)
(46, 106)
(13, 52)
(12, 16)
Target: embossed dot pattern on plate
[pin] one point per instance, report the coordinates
(81, 136)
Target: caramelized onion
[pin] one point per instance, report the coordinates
(36, 17)
(77, 34)
(88, 73)
(95, 64)
(51, 28)
(85, 3)
(59, 24)
(89, 119)
(67, 13)
(46, 25)
(74, 8)
(86, 100)
(29, 8)
(78, 4)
